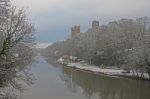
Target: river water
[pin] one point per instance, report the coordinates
(58, 82)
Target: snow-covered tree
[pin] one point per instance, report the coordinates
(14, 54)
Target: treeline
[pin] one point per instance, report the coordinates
(122, 42)
(15, 33)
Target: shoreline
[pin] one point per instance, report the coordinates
(104, 72)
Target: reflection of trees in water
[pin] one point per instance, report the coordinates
(70, 85)
(106, 87)
(14, 73)
(52, 61)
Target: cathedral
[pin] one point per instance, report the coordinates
(75, 31)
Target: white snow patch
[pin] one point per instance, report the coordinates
(110, 72)
(95, 69)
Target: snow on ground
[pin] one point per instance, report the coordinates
(95, 69)
(110, 72)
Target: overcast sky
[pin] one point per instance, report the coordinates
(53, 18)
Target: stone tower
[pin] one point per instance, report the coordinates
(95, 26)
(75, 31)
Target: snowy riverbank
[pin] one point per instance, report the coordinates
(95, 69)
(110, 72)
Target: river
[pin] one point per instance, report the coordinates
(58, 82)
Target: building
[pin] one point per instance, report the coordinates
(75, 31)
(95, 26)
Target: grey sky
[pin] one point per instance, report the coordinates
(53, 18)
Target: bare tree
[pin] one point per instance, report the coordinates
(16, 27)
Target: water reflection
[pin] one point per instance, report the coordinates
(105, 87)
(52, 61)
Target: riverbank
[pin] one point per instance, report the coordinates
(108, 72)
